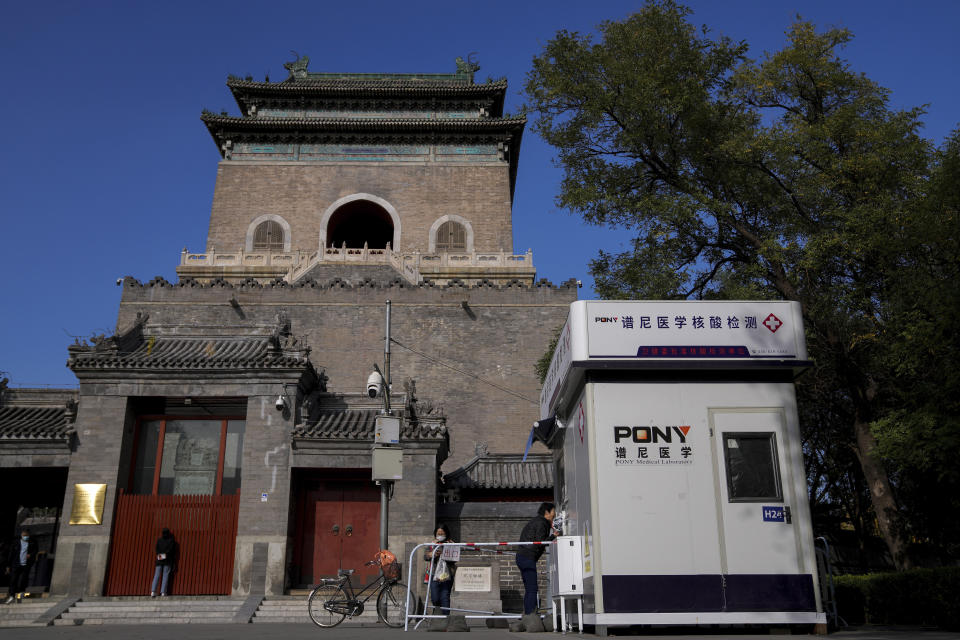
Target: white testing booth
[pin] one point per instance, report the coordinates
(679, 462)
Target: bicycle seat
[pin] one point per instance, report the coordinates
(345, 572)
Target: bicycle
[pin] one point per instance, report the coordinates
(334, 598)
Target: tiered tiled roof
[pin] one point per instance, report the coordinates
(193, 353)
(37, 415)
(35, 423)
(366, 125)
(503, 471)
(248, 93)
(137, 349)
(349, 424)
(352, 417)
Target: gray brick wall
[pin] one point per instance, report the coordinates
(421, 193)
(498, 337)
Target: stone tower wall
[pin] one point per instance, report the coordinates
(494, 333)
(419, 192)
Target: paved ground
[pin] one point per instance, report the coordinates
(310, 632)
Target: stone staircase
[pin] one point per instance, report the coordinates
(146, 610)
(24, 614)
(293, 608)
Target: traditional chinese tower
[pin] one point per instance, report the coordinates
(397, 175)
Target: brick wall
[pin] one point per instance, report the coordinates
(498, 337)
(421, 194)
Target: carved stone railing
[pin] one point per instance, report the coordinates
(414, 267)
(242, 258)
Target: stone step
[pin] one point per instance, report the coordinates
(158, 607)
(24, 613)
(145, 613)
(147, 610)
(167, 619)
(148, 598)
(139, 610)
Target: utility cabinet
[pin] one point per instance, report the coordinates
(566, 571)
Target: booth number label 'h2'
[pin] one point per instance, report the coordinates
(773, 514)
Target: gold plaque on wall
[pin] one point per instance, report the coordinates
(88, 503)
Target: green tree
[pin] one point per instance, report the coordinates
(787, 178)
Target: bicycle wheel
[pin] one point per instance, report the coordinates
(321, 595)
(391, 603)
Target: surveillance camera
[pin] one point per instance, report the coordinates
(280, 404)
(374, 385)
(119, 281)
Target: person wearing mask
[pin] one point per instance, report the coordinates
(441, 583)
(164, 559)
(23, 553)
(539, 529)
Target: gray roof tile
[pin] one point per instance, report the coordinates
(35, 423)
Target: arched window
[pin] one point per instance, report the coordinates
(268, 236)
(451, 236)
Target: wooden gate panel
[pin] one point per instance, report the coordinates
(205, 528)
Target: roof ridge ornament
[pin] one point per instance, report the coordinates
(468, 67)
(298, 67)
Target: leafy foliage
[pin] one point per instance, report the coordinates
(791, 178)
(918, 597)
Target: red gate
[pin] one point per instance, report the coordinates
(205, 528)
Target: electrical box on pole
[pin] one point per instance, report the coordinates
(387, 463)
(387, 430)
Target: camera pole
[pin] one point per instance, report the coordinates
(386, 364)
(385, 484)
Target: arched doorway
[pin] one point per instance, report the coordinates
(358, 222)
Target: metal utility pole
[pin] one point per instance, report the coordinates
(385, 484)
(386, 364)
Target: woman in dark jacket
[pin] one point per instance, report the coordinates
(165, 551)
(442, 581)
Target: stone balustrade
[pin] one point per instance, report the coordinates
(413, 266)
(241, 258)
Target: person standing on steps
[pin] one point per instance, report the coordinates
(23, 553)
(165, 553)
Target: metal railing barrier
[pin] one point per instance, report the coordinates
(479, 546)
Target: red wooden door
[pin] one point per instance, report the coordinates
(361, 520)
(341, 529)
(205, 528)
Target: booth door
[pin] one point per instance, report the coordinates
(346, 519)
(757, 492)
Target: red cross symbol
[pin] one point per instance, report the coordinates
(773, 323)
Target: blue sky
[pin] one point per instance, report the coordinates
(107, 171)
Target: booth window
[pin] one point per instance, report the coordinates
(184, 456)
(753, 474)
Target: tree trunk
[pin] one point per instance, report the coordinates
(881, 495)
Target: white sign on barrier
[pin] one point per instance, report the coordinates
(473, 579)
(451, 554)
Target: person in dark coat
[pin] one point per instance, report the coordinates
(539, 529)
(22, 556)
(165, 557)
(442, 580)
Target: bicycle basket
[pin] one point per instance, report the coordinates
(388, 564)
(391, 571)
